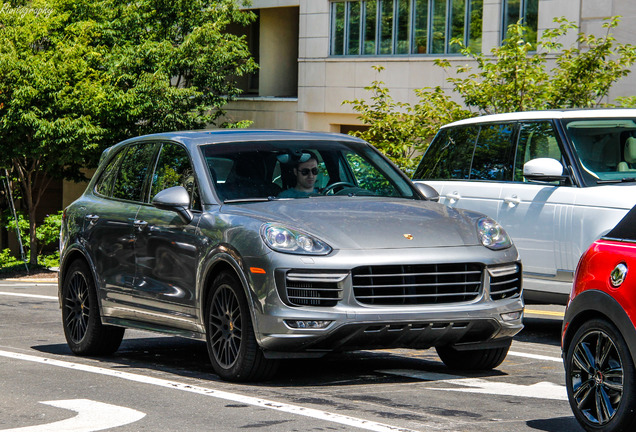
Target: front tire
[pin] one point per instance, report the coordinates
(478, 359)
(83, 328)
(600, 378)
(234, 353)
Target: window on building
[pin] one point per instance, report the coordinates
(524, 11)
(403, 27)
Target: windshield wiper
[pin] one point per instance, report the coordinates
(248, 200)
(623, 180)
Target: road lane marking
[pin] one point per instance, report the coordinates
(540, 390)
(263, 403)
(91, 416)
(547, 313)
(44, 297)
(536, 356)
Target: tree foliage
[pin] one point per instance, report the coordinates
(77, 76)
(516, 76)
(401, 130)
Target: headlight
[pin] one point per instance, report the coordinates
(283, 239)
(492, 235)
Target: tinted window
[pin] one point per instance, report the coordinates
(104, 185)
(493, 153)
(449, 155)
(536, 140)
(174, 169)
(266, 169)
(132, 174)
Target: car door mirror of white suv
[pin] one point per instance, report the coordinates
(544, 170)
(428, 192)
(174, 199)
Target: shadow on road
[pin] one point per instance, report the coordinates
(559, 424)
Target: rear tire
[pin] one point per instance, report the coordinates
(478, 359)
(83, 328)
(234, 353)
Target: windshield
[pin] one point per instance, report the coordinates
(265, 170)
(606, 148)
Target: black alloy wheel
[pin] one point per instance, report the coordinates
(226, 326)
(234, 353)
(600, 378)
(77, 307)
(83, 328)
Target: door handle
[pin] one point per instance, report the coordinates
(140, 224)
(453, 197)
(512, 201)
(92, 218)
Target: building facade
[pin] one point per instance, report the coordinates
(314, 54)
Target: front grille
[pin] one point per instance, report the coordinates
(417, 284)
(505, 282)
(314, 289)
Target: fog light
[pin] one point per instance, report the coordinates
(511, 316)
(308, 324)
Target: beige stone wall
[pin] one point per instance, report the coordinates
(593, 14)
(324, 82)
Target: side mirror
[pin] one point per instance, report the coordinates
(174, 199)
(544, 170)
(429, 192)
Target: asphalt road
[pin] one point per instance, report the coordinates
(160, 383)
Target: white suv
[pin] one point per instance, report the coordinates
(555, 180)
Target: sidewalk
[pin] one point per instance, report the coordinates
(36, 275)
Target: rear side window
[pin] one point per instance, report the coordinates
(494, 153)
(131, 177)
(449, 155)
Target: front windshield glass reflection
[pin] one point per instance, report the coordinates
(266, 170)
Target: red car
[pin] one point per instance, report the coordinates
(599, 335)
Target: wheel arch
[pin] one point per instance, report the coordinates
(74, 253)
(226, 262)
(598, 304)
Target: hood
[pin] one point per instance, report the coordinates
(368, 223)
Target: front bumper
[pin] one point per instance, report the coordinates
(353, 325)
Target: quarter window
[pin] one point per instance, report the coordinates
(104, 185)
(394, 27)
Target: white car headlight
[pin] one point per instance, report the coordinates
(287, 240)
(492, 235)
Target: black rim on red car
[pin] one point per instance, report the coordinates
(596, 376)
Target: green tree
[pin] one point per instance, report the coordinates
(514, 77)
(78, 76)
(401, 130)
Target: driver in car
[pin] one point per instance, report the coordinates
(306, 173)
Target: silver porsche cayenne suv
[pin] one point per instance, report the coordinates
(280, 244)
